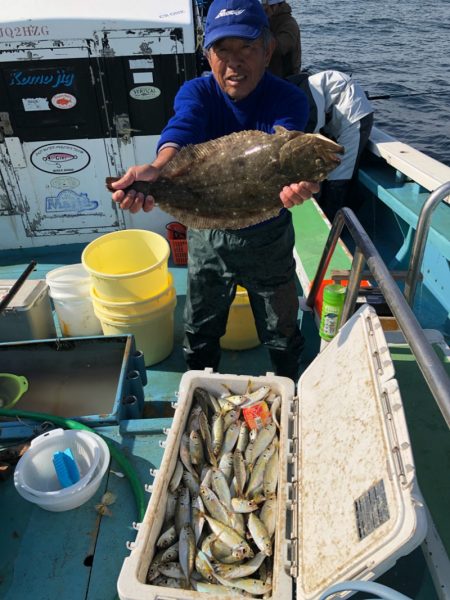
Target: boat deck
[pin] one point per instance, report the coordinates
(78, 554)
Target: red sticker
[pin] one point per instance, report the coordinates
(64, 101)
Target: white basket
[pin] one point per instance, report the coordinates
(35, 476)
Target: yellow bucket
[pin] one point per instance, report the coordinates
(153, 331)
(128, 265)
(241, 331)
(120, 310)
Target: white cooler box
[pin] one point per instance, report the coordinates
(29, 314)
(348, 502)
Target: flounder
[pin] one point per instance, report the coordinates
(234, 181)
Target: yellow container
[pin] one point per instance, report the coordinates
(119, 310)
(128, 265)
(241, 331)
(153, 331)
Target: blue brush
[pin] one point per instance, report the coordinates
(66, 468)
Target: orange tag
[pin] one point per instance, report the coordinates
(257, 416)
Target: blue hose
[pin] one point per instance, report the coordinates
(383, 592)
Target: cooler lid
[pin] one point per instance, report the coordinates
(354, 462)
(30, 291)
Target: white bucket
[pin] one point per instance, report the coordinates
(76, 316)
(69, 281)
(69, 288)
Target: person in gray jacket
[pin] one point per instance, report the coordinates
(340, 110)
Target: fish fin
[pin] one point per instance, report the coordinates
(183, 160)
(279, 129)
(228, 221)
(290, 134)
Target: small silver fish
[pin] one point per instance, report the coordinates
(226, 465)
(191, 483)
(231, 417)
(187, 550)
(259, 534)
(240, 472)
(242, 570)
(185, 454)
(228, 536)
(172, 569)
(204, 567)
(213, 505)
(263, 439)
(167, 538)
(217, 433)
(268, 515)
(196, 448)
(243, 437)
(183, 511)
(242, 505)
(270, 478)
(219, 485)
(153, 570)
(176, 477)
(171, 553)
(230, 438)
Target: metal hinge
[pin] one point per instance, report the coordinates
(393, 439)
(122, 125)
(293, 490)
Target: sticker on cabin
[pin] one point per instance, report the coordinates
(144, 77)
(34, 104)
(60, 158)
(141, 63)
(51, 78)
(65, 183)
(64, 101)
(69, 201)
(371, 510)
(145, 92)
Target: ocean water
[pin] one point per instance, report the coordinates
(400, 49)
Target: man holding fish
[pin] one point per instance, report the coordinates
(238, 96)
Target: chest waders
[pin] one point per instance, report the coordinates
(260, 259)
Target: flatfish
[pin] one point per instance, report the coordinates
(234, 181)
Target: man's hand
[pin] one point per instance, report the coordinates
(132, 200)
(297, 193)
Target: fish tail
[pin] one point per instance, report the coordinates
(109, 181)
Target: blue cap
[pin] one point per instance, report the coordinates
(234, 18)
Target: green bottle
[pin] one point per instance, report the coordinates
(333, 303)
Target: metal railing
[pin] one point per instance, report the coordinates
(420, 239)
(430, 365)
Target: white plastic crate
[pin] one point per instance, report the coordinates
(348, 503)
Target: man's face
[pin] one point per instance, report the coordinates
(238, 64)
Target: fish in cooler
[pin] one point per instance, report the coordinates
(218, 531)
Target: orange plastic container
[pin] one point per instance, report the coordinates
(176, 236)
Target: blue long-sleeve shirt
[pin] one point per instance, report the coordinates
(204, 112)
